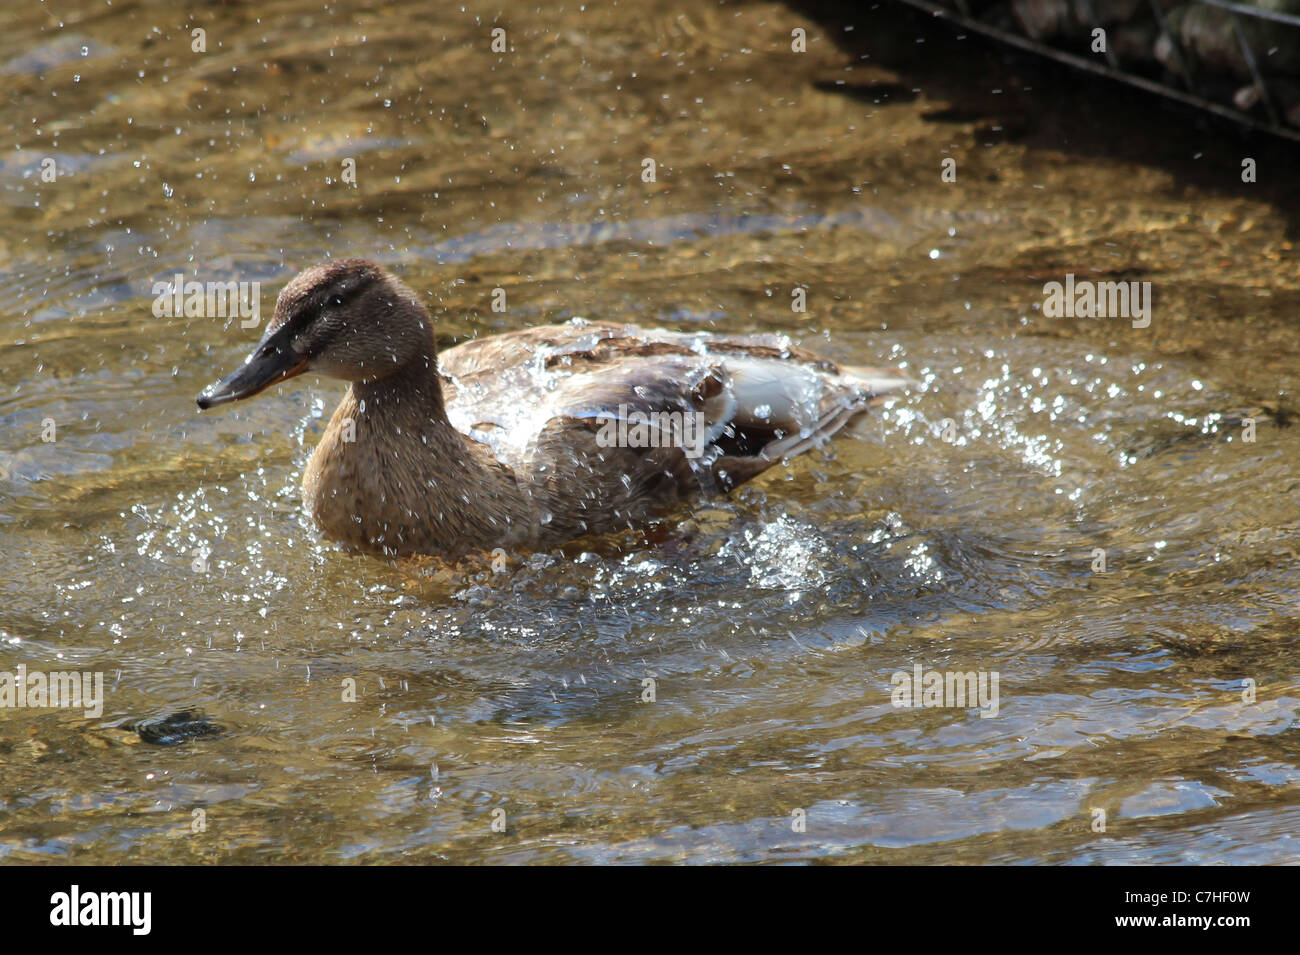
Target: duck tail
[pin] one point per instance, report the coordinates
(879, 382)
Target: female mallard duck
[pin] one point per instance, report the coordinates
(530, 438)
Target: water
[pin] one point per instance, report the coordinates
(966, 532)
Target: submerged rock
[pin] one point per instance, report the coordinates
(176, 728)
(1052, 19)
(1208, 36)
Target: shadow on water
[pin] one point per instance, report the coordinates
(995, 93)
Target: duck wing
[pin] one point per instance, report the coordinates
(608, 423)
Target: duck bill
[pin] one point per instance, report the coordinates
(272, 362)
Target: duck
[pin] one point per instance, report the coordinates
(532, 438)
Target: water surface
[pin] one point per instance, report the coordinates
(168, 550)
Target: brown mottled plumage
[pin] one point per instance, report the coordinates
(502, 441)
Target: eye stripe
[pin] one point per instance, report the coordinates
(340, 293)
(309, 305)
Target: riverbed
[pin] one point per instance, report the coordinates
(1104, 514)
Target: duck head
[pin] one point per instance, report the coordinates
(349, 319)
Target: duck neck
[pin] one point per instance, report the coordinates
(392, 475)
(409, 401)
